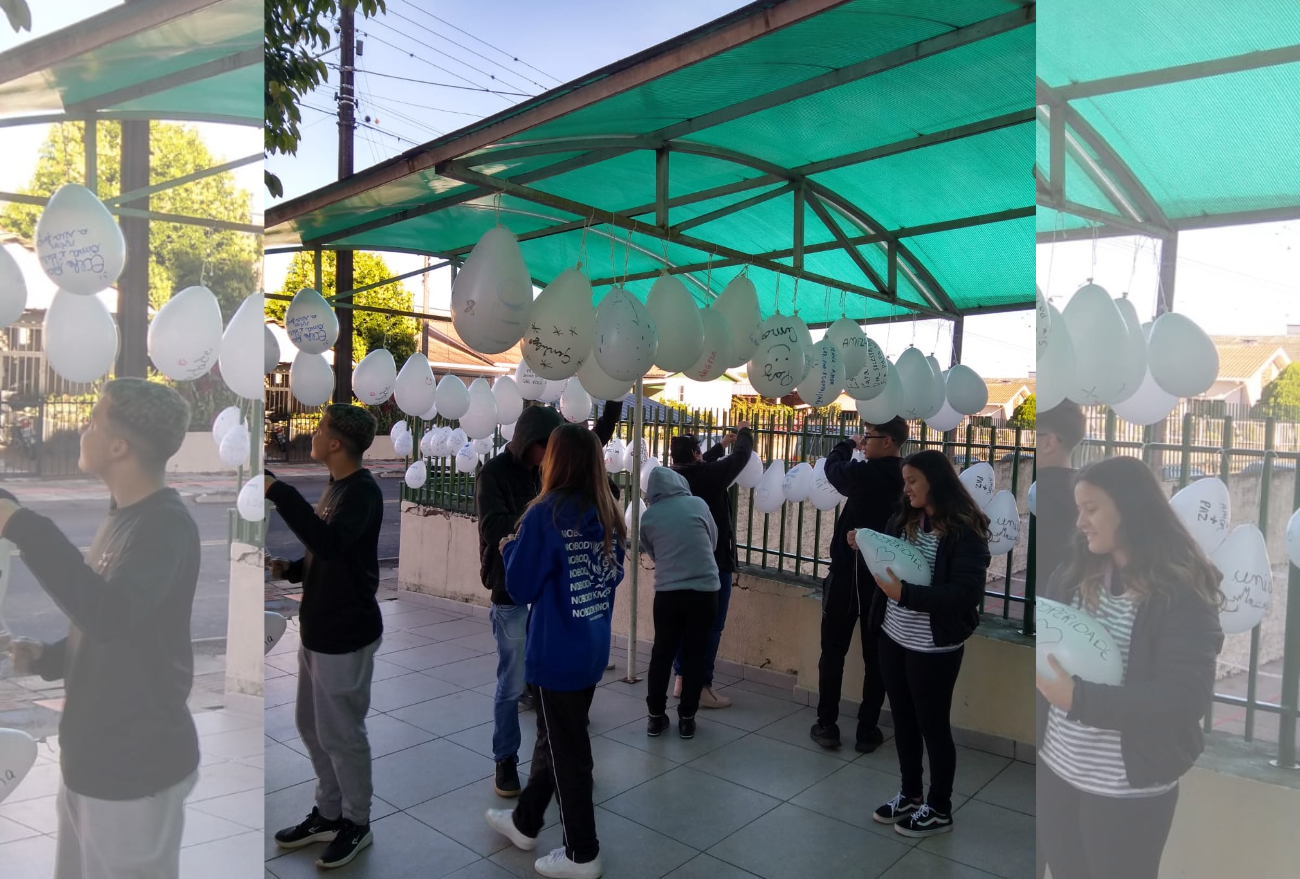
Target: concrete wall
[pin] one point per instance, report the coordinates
(381, 450)
(198, 454)
(245, 671)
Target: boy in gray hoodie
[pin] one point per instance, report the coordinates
(680, 536)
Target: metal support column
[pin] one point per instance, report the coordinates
(1168, 271)
(90, 138)
(133, 285)
(634, 554)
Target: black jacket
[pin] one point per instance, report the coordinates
(506, 486)
(340, 571)
(1167, 690)
(128, 660)
(1054, 527)
(961, 564)
(873, 488)
(711, 479)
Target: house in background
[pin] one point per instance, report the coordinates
(1005, 394)
(1247, 364)
(714, 396)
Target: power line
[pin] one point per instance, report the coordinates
(493, 76)
(380, 102)
(428, 62)
(467, 49)
(446, 85)
(509, 55)
(427, 107)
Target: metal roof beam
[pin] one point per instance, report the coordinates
(1179, 73)
(727, 210)
(181, 181)
(130, 116)
(1238, 218)
(865, 267)
(198, 73)
(219, 225)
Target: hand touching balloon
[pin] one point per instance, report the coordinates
(890, 584)
(1058, 689)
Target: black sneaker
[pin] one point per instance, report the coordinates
(900, 808)
(826, 734)
(869, 741)
(316, 828)
(352, 838)
(686, 727)
(656, 724)
(507, 780)
(924, 822)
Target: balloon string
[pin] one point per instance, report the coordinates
(778, 293)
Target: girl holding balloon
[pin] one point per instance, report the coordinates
(1112, 755)
(921, 630)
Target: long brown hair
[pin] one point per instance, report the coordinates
(954, 508)
(574, 470)
(1163, 557)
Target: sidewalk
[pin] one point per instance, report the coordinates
(750, 796)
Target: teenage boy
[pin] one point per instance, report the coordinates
(1060, 430)
(128, 747)
(341, 629)
(873, 488)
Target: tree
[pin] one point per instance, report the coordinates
(297, 34)
(370, 330)
(1026, 413)
(1281, 397)
(179, 255)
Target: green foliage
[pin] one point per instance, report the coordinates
(1026, 413)
(1281, 397)
(179, 255)
(297, 33)
(370, 330)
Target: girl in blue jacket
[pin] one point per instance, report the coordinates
(565, 562)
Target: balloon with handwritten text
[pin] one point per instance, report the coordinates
(1205, 509)
(560, 327)
(778, 360)
(978, 479)
(626, 341)
(1247, 583)
(1080, 643)
(880, 551)
(17, 756)
(78, 242)
(493, 294)
(1004, 523)
(185, 335)
(275, 626)
(310, 322)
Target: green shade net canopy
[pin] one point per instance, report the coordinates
(866, 158)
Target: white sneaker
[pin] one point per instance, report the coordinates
(558, 866)
(503, 822)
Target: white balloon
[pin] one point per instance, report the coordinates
(483, 445)
(553, 391)
(375, 377)
(717, 348)
(769, 495)
(441, 443)
(275, 626)
(1081, 644)
(509, 403)
(1096, 326)
(17, 757)
(852, 343)
(531, 385)
(1149, 405)
(615, 456)
(427, 443)
(1043, 322)
(918, 383)
(869, 382)
(466, 459)
(235, 447)
(599, 385)
(978, 479)
(80, 337)
(1205, 509)
(886, 405)
(1181, 357)
(575, 402)
(310, 322)
(650, 464)
(778, 359)
(79, 243)
(185, 335)
(1293, 538)
(635, 448)
(627, 515)
(676, 317)
(881, 552)
(431, 413)
(404, 445)
(1133, 353)
(241, 349)
(805, 336)
(270, 350)
(1247, 580)
(493, 294)
(416, 475)
(626, 340)
(1057, 369)
(1033, 498)
(311, 379)
(965, 390)
(451, 398)
(946, 419)
(251, 501)
(227, 420)
(825, 380)
(561, 326)
(797, 482)
(738, 304)
(1004, 523)
(507, 432)
(752, 475)
(456, 439)
(938, 396)
(399, 428)
(13, 290)
(823, 495)
(480, 419)
(415, 389)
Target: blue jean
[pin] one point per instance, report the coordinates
(509, 627)
(715, 634)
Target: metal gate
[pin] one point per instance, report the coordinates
(41, 438)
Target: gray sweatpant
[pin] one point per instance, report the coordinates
(121, 839)
(333, 699)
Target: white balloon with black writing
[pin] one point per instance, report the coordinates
(869, 381)
(1042, 321)
(1057, 368)
(531, 385)
(770, 493)
(1205, 509)
(404, 445)
(738, 303)
(451, 398)
(918, 383)
(311, 379)
(416, 475)
(881, 552)
(275, 626)
(635, 448)
(825, 381)
(676, 317)
(415, 390)
(13, 289)
(778, 359)
(427, 442)
(375, 377)
(510, 405)
(466, 458)
(599, 385)
(492, 295)
(1247, 584)
(80, 337)
(615, 456)
(1181, 356)
(251, 501)
(716, 355)
(978, 479)
(185, 335)
(823, 495)
(241, 349)
(1080, 643)
(646, 469)
(553, 391)
(484, 445)
(805, 336)
(851, 342)
(398, 429)
(1004, 523)
(626, 340)
(797, 482)
(235, 447)
(310, 322)
(575, 402)
(752, 473)
(17, 757)
(1096, 326)
(560, 327)
(456, 439)
(79, 244)
(885, 405)
(442, 444)
(480, 419)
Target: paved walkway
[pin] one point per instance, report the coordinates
(749, 796)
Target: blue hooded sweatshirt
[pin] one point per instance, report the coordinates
(558, 565)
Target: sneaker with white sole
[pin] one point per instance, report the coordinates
(558, 866)
(349, 842)
(316, 828)
(900, 808)
(924, 822)
(503, 822)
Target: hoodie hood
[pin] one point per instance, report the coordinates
(534, 426)
(664, 483)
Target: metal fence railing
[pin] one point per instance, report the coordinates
(41, 437)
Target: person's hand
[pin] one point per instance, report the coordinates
(501, 547)
(279, 568)
(1057, 689)
(852, 537)
(268, 481)
(743, 425)
(24, 653)
(857, 441)
(890, 584)
(728, 439)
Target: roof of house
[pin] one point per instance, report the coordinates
(1004, 390)
(1242, 357)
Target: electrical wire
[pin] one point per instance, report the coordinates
(442, 52)
(509, 55)
(437, 66)
(447, 85)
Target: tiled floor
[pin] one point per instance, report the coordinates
(223, 817)
(749, 796)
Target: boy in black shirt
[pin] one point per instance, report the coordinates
(128, 748)
(341, 630)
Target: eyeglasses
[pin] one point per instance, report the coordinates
(875, 436)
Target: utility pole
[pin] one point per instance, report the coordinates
(343, 267)
(424, 324)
